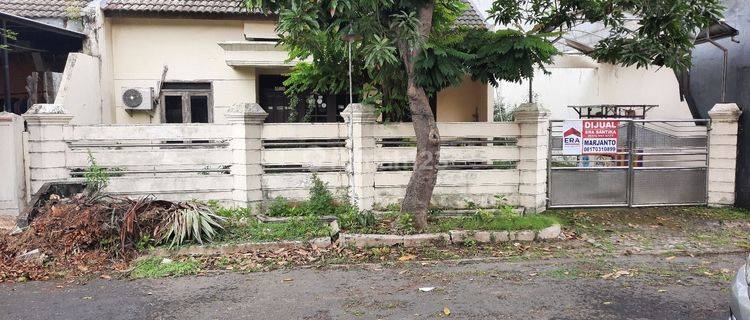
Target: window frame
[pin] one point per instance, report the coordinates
(185, 95)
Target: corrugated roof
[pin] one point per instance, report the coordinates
(226, 7)
(42, 8)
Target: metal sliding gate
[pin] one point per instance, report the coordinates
(657, 163)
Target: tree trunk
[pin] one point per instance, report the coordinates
(423, 178)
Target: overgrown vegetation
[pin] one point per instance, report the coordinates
(195, 222)
(300, 228)
(158, 268)
(494, 220)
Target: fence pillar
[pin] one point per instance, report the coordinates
(360, 121)
(533, 143)
(12, 176)
(47, 147)
(246, 120)
(722, 154)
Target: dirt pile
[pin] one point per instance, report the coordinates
(81, 234)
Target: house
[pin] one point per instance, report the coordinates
(40, 36)
(198, 58)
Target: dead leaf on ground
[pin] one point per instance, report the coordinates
(407, 257)
(446, 311)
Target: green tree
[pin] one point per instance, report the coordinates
(411, 49)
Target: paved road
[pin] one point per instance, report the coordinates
(657, 288)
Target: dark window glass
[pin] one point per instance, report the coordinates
(199, 109)
(173, 109)
(186, 86)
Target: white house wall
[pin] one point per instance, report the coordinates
(575, 81)
(189, 48)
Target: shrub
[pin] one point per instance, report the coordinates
(196, 223)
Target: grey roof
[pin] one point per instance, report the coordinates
(225, 7)
(471, 17)
(42, 8)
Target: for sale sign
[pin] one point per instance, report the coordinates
(600, 136)
(572, 137)
(590, 136)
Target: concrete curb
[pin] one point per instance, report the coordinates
(451, 237)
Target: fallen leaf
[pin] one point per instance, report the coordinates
(446, 311)
(662, 290)
(670, 258)
(407, 257)
(426, 289)
(106, 277)
(287, 279)
(607, 302)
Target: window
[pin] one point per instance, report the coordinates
(186, 102)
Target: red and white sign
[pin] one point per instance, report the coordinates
(590, 136)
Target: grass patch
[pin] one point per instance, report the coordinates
(296, 229)
(154, 268)
(498, 223)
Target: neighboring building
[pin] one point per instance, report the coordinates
(196, 59)
(704, 84)
(46, 32)
(576, 79)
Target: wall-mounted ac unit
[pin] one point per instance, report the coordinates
(138, 98)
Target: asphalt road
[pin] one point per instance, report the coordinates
(654, 288)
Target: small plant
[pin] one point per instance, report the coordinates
(97, 177)
(158, 267)
(281, 207)
(483, 215)
(229, 213)
(196, 222)
(405, 223)
(321, 200)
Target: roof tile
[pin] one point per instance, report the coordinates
(42, 8)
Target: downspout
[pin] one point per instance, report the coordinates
(6, 68)
(726, 65)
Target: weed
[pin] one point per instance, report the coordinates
(158, 267)
(295, 229)
(230, 213)
(97, 178)
(405, 223)
(485, 220)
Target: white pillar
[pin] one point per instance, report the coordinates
(246, 120)
(12, 177)
(722, 160)
(360, 121)
(532, 166)
(47, 147)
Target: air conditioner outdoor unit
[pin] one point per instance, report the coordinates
(138, 98)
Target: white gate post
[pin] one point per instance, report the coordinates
(533, 142)
(246, 120)
(360, 121)
(722, 154)
(47, 147)
(12, 171)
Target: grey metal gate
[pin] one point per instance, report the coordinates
(658, 162)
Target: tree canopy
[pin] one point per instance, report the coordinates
(411, 49)
(642, 32)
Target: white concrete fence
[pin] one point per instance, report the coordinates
(246, 162)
